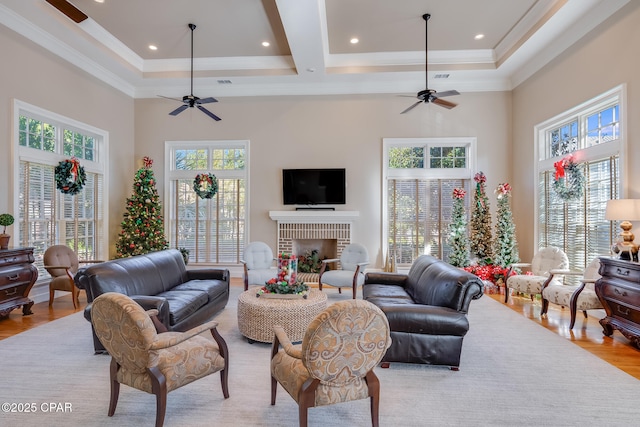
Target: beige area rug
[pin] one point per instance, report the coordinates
(513, 373)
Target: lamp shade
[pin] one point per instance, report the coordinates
(623, 210)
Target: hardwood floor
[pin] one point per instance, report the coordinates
(587, 333)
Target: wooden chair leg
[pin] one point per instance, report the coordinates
(585, 313)
(159, 388)
(573, 305)
(75, 293)
(306, 399)
(339, 290)
(373, 385)
(545, 306)
(115, 387)
(224, 353)
(274, 390)
(573, 319)
(52, 293)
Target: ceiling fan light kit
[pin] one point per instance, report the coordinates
(190, 101)
(429, 95)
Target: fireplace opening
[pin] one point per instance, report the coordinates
(311, 251)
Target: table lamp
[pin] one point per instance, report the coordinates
(624, 210)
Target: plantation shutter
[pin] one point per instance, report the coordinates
(211, 229)
(47, 217)
(419, 213)
(578, 227)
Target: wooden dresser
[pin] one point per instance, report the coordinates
(17, 276)
(619, 292)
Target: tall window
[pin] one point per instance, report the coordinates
(419, 177)
(213, 230)
(46, 216)
(591, 132)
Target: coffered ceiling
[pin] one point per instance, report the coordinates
(309, 48)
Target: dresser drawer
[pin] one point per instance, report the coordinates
(616, 290)
(620, 310)
(10, 276)
(13, 258)
(11, 292)
(621, 270)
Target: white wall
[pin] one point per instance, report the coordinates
(600, 61)
(33, 75)
(327, 131)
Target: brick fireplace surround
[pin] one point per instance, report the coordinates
(328, 230)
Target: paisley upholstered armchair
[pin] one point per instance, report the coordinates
(335, 361)
(154, 362)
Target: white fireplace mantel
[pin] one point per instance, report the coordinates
(314, 217)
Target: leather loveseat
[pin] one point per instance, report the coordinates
(184, 298)
(427, 310)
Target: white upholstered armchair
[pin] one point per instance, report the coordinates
(353, 259)
(577, 297)
(258, 264)
(545, 260)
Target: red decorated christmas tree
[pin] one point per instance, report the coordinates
(143, 224)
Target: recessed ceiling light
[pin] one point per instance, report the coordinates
(266, 44)
(153, 47)
(354, 40)
(479, 36)
(99, 1)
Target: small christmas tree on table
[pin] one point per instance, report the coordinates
(505, 245)
(457, 239)
(143, 225)
(480, 225)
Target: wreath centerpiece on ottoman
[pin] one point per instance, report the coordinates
(568, 182)
(205, 185)
(286, 283)
(70, 176)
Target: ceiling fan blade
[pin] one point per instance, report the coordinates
(75, 14)
(179, 110)
(209, 113)
(412, 107)
(173, 99)
(441, 102)
(206, 100)
(447, 93)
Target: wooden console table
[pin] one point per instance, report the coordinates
(619, 292)
(17, 276)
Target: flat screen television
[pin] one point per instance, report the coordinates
(314, 186)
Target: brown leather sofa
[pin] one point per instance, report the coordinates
(427, 310)
(159, 280)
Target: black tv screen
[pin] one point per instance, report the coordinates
(314, 186)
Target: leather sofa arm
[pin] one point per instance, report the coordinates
(385, 279)
(209, 274)
(155, 303)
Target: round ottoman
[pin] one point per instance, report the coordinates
(258, 315)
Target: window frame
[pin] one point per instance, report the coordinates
(584, 153)
(97, 166)
(172, 174)
(425, 173)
